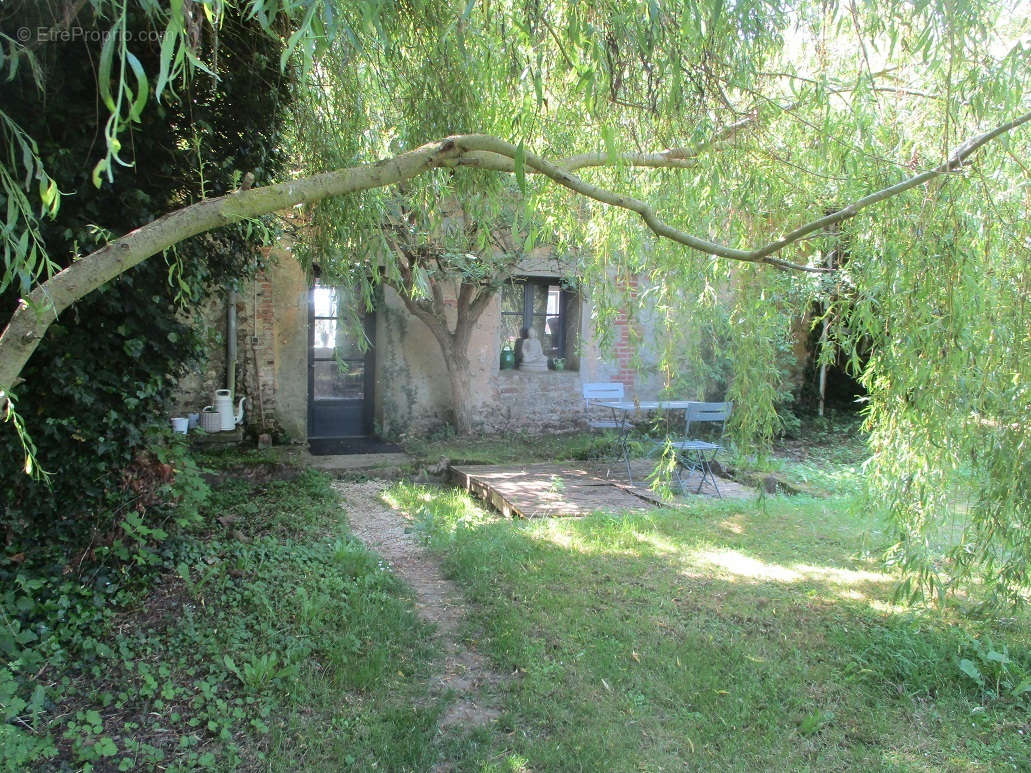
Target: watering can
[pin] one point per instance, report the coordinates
(224, 408)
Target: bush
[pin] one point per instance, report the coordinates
(86, 539)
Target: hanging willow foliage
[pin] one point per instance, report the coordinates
(753, 139)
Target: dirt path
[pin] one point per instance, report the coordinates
(437, 600)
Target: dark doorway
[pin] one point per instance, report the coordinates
(340, 368)
(842, 391)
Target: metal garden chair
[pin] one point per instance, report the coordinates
(608, 392)
(696, 454)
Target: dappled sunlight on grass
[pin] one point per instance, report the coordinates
(660, 544)
(733, 524)
(761, 633)
(631, 537)
(735, 564)
(552, 532)
(446, 507)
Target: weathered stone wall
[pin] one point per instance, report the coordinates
(288, 293)
(197, 386)
(536, 402)
(271, 351)
(413, 393)
(256, 352)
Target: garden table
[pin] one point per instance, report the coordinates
(624, 410)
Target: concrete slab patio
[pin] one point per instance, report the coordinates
(574, 488)
(346, 464)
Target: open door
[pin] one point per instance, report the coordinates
(340, 373)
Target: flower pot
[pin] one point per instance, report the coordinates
(210, 420)
(507, 358)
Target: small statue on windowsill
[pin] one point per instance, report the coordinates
(532, 354)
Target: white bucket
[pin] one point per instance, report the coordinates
(180, 424)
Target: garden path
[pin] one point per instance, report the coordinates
(437, 600)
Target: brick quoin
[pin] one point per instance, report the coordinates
(257, 332)
(624, 349)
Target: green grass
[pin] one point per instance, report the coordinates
(513, 448)
(725, 636)
(276, 642)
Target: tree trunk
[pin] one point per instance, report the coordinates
(463, 398)
(823, 367)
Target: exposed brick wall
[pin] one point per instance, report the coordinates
(256, 352)
(623, 350)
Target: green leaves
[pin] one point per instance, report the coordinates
(139, 100)
(519, 162)
(25, 258)
(999, 676)
(172, 55)
(107, 55)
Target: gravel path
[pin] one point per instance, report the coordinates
(437, 600)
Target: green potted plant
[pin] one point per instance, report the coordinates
(558, 363)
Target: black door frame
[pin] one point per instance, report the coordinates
(368, 383)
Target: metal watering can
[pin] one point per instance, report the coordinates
(224, 408)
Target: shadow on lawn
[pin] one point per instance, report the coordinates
(698, 640)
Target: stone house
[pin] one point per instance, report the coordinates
(306, 378)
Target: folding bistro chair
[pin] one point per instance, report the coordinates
(695, 454)
(608, 392)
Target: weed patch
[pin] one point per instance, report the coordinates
(269, 624)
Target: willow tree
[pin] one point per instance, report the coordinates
(895, 125)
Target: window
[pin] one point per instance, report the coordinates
(544, 305)
(337, 359)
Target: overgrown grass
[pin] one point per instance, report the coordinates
(276, 642)
(824, 457)
(725, 636)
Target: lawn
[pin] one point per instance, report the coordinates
(723, 635)
(273, 641)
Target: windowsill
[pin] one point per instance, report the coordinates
(541, 373)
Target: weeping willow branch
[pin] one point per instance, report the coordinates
(558, 173)
(41, 307)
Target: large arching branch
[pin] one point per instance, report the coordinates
(504, 151)
(41, 307)
(37, 311)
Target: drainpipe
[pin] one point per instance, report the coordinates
(231, 342)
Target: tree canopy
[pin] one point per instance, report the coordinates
(101, 378)
(755, 138)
